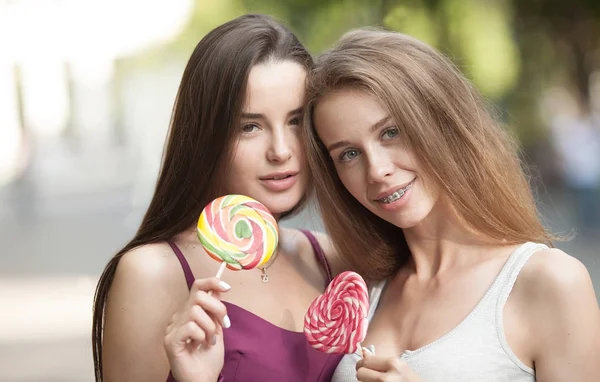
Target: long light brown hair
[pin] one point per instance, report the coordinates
(471, 158)
(205, 119)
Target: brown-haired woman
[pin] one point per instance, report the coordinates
(235, 130)
(423, 193)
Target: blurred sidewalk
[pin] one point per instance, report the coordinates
(44, 329)
(57, 233)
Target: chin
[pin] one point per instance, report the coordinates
(406, 224)
(277, 209)
(403, 220)
(283, 202)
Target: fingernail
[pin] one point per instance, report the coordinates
(214, 340)
(224, 285)
(226, 322)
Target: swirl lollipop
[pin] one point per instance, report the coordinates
(336, 321)
(238, 231)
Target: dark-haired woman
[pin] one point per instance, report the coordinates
(235, 130)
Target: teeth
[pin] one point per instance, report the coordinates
(395, 196)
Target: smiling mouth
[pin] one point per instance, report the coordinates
(395, 195)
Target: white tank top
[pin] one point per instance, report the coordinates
(476, 349)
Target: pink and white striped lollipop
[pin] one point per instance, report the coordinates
(336, 321)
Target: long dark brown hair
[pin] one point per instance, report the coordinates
(471, 158)
(205, 118)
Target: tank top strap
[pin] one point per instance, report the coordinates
(319, 254)
(508, 276)
(375, 292)
(505, 283)
(187, 271)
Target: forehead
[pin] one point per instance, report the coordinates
(346, 111)
(275, 85)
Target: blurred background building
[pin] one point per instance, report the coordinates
(86, 91)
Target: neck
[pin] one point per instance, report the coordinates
(442, 241)
(271, 259)
(190, 234)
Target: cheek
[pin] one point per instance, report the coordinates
(293, 140)
(425, 199)
(244, 157)
(433, 194)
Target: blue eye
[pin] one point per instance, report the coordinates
(348, 155)
(248, 128)
(391, 133)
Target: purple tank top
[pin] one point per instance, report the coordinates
(256, 350)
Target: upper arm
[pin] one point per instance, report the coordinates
(147, 290)
(564, 318)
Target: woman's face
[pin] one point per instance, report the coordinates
(269, 164)
(372, 159)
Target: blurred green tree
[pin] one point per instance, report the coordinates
(512, 50)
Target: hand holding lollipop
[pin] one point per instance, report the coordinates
(239, 232)
(336, 321)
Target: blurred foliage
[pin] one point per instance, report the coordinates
(513, 50)
(559, 44)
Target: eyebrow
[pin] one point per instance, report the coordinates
(378, 125)
(296, 111)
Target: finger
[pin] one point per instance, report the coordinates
(196, 336)
(190, 333)
(210, 284)
(204, 322)
(211, 305)
(378, 363)
(359, 364)
(364, 374)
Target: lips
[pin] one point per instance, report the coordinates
(279, 181)
(279, 175)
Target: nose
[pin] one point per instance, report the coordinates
(380, 167)
(279, 148)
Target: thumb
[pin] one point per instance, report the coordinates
(368, 351)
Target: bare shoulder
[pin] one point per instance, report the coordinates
(149, 282)
(554, 276)
(558, 302)
(149, 286)
(299, 240)
(150, 265)
(559, 310)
